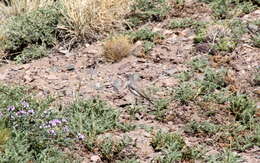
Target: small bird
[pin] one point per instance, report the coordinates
(135, 89)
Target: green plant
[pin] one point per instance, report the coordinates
(201, 128)
(246, 7)
(185, 92)
(182, 23)
(29, 31)
(143, 11)
(221, 97)
(31, 53)
(19, 7)
(173, 147)
(110, 148)
(38, 132)
(148, 46)
(216, 77)
(91, 118)
(133, 110)
(145, 34)
(225, 44)
(242, 107)
(31, 131)
(199, 64)
(148, 36)
(201, 34)
(256, 40)
(161, 108)
(221, 9)
(129, 161)
(225, 156)
(164, 140)
(185, 76)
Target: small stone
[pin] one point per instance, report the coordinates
(70, 68)
(28, 78)
(98, 86)
(253, 28)
(52, 77)
(257, 91)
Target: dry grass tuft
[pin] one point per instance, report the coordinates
(117, 48)
(18, 7)
(92, 19)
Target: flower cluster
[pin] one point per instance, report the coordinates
(47, 120)
(21, 111)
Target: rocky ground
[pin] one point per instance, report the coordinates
(84, 73)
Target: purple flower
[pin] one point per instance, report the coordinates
(52, 132)
(21, 112)
(11, 108)
(80, 136)
(31, 111)
(54, 122)
(25, 104)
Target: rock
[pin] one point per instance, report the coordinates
(257, 91)
(52, 77)
(3, 76)
(203, 47)
(95, 159)
(98, 86)
(28, 78)
(253, 27)
(70, 67)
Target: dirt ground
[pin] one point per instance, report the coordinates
(84, 73)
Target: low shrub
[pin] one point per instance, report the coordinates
(28, 31)
(117, 48)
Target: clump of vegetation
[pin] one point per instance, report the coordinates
(221, 37)
(11, 8)
(256, 40)
(33, 131)
(92, 118)
(90, 20)
(186, 92)
(143, 11)
(117, 48)
(146, 35)
(173, 147)
(44, 23)
(204, 128)
(110, 149)
(182, 23)
(31, 53)
(199, 64)
(224, 9)
(161, 107)
(30, 31)
(242, 107)
(226, 156)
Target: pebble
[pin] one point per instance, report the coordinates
(95, 158)
(70, 67)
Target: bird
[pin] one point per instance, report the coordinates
(135, 89)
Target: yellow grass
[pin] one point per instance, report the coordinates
(117, 48)
(93, 19)
(19, 7)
